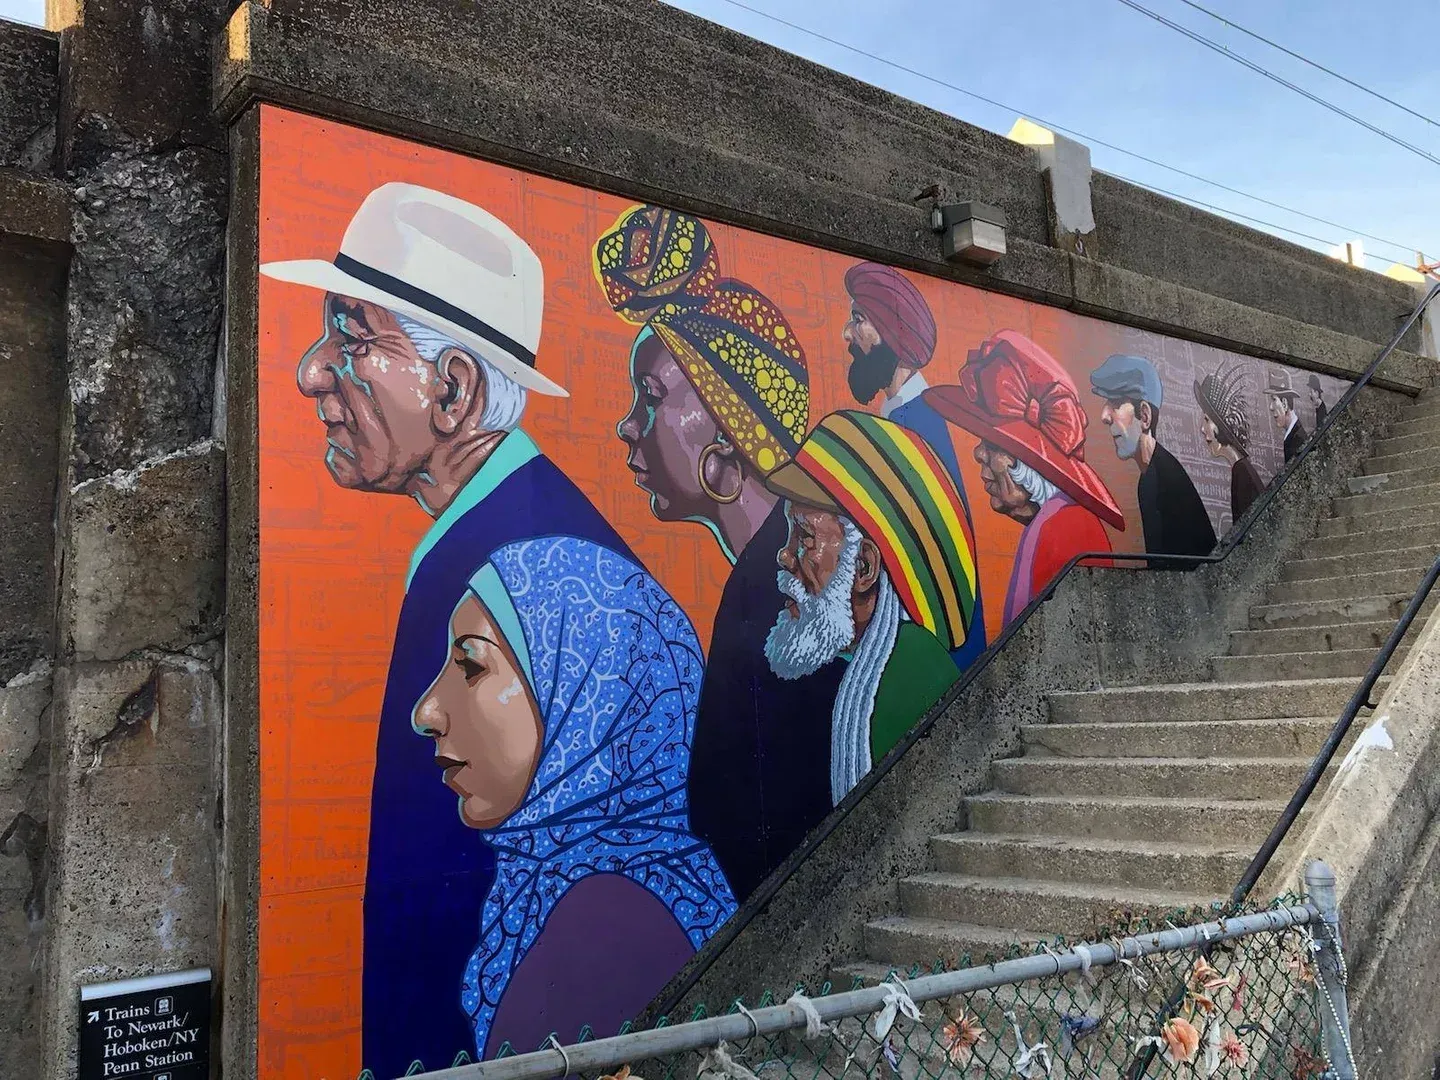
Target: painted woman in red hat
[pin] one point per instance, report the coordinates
(1025, 410)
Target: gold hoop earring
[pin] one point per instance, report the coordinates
(711, 493)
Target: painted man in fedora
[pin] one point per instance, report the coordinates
(1282, 411)
(431, 313)
(1025, 410)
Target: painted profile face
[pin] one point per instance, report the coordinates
(373, 393)
(821, 569)
(1280, 412)
(1211, 434)
(1125, 427)
(1316, 397)
(483, 718)
(1006, 496)
(667, 429)
(872, 363)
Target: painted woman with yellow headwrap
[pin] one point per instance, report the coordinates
(721, 400)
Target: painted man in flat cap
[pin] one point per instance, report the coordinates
(1172, 513)
(878, 568)
(891, 336)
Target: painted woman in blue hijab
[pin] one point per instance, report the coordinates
(562, 720)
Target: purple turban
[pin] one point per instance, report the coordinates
(896, 309)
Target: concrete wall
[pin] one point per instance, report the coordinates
(1102, 627)
(29, 95)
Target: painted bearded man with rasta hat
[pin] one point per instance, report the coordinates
(1026, 412)
(721, 399)
(878, 568)
(891, 336)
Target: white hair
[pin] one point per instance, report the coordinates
(1036, 486)
(824, 624)
(504, 397)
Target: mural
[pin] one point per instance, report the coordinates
(685, 545)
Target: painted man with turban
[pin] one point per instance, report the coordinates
(721, 399)
(891, 336)
(1225, 427)
(879, 567)
(1025, 410)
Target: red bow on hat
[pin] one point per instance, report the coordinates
(1002, 381)
(1016, 396)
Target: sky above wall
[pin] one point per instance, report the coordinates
(1115, 75)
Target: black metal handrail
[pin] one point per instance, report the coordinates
(761, 897)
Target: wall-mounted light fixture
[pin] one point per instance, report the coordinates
(972, 232)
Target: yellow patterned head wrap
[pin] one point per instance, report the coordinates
(737, 349)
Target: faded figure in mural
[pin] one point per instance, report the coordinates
(1172, 514)
(1317, 400)
(432, 312)
(1225, 427)
(1025, 410)
(879, 567)
(721, 398)
(561, 717)
(1282, 412)
(891, 336)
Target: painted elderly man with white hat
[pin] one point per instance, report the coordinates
(432, 311)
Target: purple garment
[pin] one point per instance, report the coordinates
(1019, 594)
(607, 949)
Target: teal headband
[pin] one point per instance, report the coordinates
(490, 590)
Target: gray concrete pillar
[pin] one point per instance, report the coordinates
(134, 827)
(1066, 165)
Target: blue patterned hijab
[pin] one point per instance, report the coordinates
(615, 667)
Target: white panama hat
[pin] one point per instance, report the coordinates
(446, 263)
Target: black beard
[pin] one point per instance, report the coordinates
(871, 372)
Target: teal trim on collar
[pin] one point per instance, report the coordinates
(514, 450)
(486, 584)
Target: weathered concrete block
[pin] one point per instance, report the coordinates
(133, 830)
(145, 567)
(29, 91)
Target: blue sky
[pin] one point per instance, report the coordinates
(1110, 72)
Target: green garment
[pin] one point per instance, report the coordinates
(918, 672)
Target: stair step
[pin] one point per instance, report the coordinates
(1344, 565)
(1416, 519)
(1397, 442)
(901, 941)
(1385, 501)
(1180, 738)
(1426, 458)
(1422, 408)
(1200, 701)
(1336, 636)
(1336, 663)
(1181, 867)
(1375, 482)
(1402, 427)
(1319, 613)
(1376, 543)
(1183, 821)
(1046, 907)
(1376, 583)
(1181, 778)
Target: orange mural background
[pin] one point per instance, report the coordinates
(333, 562)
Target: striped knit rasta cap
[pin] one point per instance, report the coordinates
(885, 479)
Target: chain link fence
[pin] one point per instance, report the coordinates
(1259, 994)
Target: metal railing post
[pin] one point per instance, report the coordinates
(1330, 960)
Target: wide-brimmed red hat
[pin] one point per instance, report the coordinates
(1014, 395)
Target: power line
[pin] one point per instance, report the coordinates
(1306, 60)
(1253, 66)
(1407, 248)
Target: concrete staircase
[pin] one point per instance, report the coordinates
(1143, 799)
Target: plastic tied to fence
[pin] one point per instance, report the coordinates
(1240, 998)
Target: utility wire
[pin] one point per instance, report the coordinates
(1306, 60)
(1253, 66)
(1408, 249)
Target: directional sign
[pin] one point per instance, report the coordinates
(152, 1028)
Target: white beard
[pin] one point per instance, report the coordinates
(825, 626)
